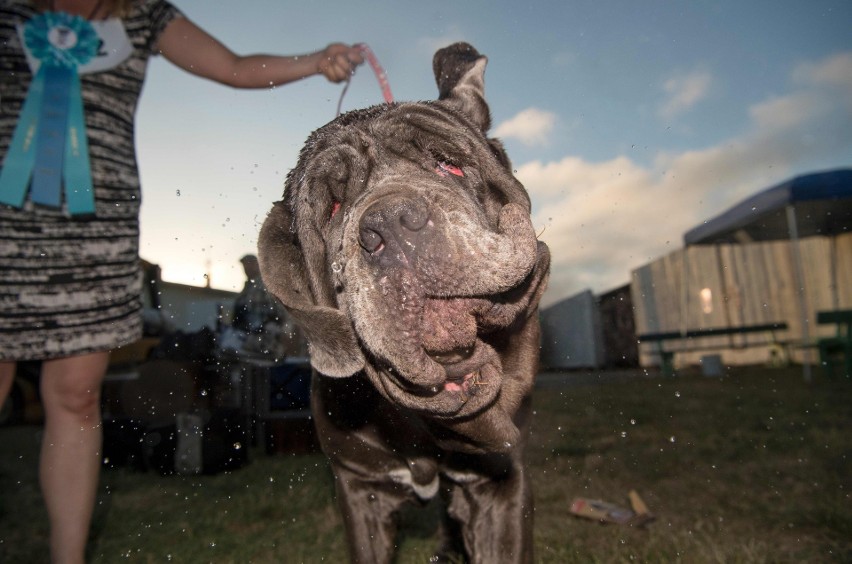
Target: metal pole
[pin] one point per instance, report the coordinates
(793, 228)
(832, 249)
(684, 292)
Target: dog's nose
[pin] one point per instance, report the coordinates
(392, 227)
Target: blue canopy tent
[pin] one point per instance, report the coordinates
(818, 204)
(812, 204)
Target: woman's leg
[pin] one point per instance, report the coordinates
(71, 449)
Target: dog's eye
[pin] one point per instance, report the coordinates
(335, 207)
(444, 168)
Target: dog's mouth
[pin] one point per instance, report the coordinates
(451, 339)
(463, 384)
(471, 381)
(464, 371)
(440, 357)
(467, 370)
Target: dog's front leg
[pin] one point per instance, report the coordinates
(369, 509)
(496, 517)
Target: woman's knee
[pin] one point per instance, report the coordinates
(70, 397)
(73, 385)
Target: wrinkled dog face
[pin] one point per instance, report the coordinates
(404, 246)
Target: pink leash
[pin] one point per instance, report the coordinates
(378, 70)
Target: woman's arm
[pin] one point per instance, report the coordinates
(196, 51)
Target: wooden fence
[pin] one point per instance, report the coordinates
(748, 284)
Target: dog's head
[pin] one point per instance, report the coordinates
(403, 247)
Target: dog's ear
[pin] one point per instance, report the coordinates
(333, 347)
(460, 73)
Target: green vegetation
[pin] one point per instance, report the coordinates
(755, 466)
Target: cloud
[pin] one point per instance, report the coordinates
(684, 92)
(786, 111)
(603, 219)
(835, 70)
(531, 127)
(833, 75)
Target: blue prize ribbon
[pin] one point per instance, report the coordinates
(49, 144)
(79, 196)
(20, 157)
(50, 140)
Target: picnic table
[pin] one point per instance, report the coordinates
(837, 346)
(692, 336)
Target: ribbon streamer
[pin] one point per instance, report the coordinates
(49, 145)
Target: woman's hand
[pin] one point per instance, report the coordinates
(338, 61)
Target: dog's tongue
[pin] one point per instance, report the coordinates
(462, 384)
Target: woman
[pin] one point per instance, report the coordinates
(69, 283)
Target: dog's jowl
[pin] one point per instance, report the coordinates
(404, 249)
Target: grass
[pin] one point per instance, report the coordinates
(755, 466)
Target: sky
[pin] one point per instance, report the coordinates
(628, 122)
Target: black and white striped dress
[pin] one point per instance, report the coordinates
(70, 286)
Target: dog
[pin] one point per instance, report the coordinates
(403, 248)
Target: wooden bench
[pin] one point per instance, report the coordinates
(839, 345)
(667, 355)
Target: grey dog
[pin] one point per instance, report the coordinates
(403, 247)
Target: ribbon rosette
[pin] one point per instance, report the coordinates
(49, 145)
(61, 40)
